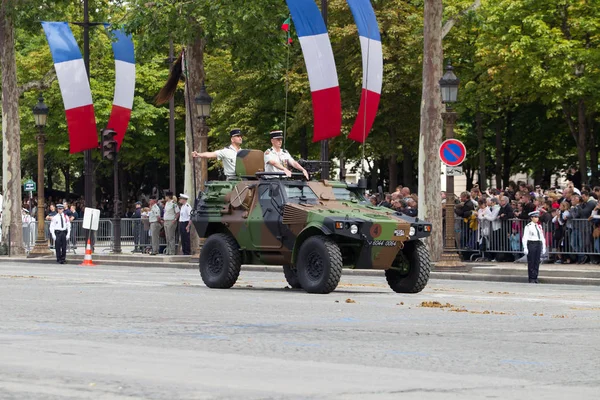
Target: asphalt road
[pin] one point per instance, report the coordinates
(123, 333)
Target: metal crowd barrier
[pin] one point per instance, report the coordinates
(134, 233)
(490, 238)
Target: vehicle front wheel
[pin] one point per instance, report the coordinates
(319, 265)
(416, 255)
(220, 261)
(291, 276)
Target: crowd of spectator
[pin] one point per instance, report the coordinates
(401, 200)
(137, 210)
(491, 222)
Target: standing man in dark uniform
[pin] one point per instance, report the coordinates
(534, 245)
(60, 228)
(137, 227)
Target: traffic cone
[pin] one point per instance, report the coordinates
(87, 260)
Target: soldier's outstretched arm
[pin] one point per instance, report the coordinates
(206, 154)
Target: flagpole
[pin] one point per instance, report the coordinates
(287, 77)
(324, 142)
(366, 103)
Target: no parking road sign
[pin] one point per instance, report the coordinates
(453, 152)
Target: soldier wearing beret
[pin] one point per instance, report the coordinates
(534, 245)
(227, 155)
(277, 159)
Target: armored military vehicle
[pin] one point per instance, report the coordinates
(312, 228)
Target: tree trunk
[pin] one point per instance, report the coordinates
(507, 163)
(499, 156)
(480, 138)
(67, 174)
(593, 148)
(193, 128)
(582, 141)
(11, 138)
(124, 180)
(303, 143)
(430, 135)
(49, 180)
(342, 167)
(393, 163)
(375, 175)
(469, 175)
(407, 168)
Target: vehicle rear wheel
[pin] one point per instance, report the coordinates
(220, 261)
(319, 265)
(291, 276)
(417, 256)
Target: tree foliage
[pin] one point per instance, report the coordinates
(528, 67)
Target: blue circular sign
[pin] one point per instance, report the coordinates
(453, 152)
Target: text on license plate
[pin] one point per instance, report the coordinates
(384, 243)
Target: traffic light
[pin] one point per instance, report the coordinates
(109, 144)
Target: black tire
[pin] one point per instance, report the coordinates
(416, 279)
(319, 265)
(220, 261)
(291, 276)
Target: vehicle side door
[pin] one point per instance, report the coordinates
(266, 217)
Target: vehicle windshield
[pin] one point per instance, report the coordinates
(297, 193)
(345, 194)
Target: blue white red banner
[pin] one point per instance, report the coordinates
(124, 83)
(372, 60)
(320, 66)
(74, 86)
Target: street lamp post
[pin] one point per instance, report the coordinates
(40, 113)
(203, 103)
(449, 88)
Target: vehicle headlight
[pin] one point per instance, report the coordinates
(354, 229)
(412, 231)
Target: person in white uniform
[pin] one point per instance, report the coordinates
(227, 154)
(60, 229)
(277, 159)
(185, 223)
(534, 245)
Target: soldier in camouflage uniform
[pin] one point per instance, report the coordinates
(277, 159)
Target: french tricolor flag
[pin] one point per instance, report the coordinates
(320, 66)
(372, 61)
(74, 86)
(124, 83)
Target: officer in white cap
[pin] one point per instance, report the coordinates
(185, 223)
(277, 159)
(227, 155)
(60, 229)
(534, 245)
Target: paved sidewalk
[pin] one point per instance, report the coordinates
(573, 274)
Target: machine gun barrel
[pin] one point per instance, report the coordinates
(313, 166)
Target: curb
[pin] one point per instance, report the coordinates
(588, 278)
